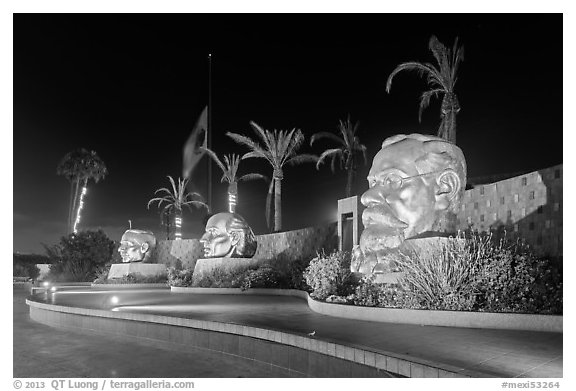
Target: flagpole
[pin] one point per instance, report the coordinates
(209, 131)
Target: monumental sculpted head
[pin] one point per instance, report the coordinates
(414, 181)
(228, 235)
(137, 245)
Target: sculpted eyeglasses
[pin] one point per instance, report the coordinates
(394, 181)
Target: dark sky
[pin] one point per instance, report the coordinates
(132, 86)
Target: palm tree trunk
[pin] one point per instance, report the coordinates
(277, 204)
(177, 226)
(73, 216)
(349, 182)
(269, 205)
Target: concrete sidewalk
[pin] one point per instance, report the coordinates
(500, 353)
(43, 351)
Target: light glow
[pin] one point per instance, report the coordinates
(80, 206)
(178, 224)
(231, 203)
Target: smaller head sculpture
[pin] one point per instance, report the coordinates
(228, 235)
(137, 245)
(414, 181)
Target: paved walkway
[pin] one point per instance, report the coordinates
(501, 353)
(43, 351)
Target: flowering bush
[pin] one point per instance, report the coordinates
(330, 275)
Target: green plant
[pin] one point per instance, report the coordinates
(330, 275)
(78, 257)
(348, 147)
(80, 166)
(102, 274)
(263, 277)
(229, 169)
(180, 277)
(137, 278)
(176, 199)
(441, 80)
(278, 148)
(25, 270)
(514, 279)
(442, 280)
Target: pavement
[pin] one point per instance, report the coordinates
(498, 353)
(43, 351)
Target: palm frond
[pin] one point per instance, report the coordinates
(327, 135)
(425, 100)
(214, 157)
(175, 190)
(422, 69)
(292, 145)
(244, 140)
(334, 152)
(264, 134)
(252, 177)
(303, 158)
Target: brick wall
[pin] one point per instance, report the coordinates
(529, 206)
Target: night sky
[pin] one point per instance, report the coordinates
(131, 87)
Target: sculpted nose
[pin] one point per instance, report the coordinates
(373, 196)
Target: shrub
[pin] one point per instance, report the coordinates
(263, 277)
(78, 256)
(514, 279)
(484, 274)
(330, 275)
(442, 280)
(180, 277)
(371, 294)
(25, 270)
(138, 278)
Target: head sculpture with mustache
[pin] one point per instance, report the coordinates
(414, 181)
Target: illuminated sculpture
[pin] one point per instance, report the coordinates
(414, 181)
(228, 236)
(137, 246)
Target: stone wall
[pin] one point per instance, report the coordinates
(289, 246)
(528, 206)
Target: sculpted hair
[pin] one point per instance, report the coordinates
(247, 244)
(438, 155)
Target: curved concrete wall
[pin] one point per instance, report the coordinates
(283, 246)
(481, 320)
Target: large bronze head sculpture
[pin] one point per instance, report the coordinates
(137, 245)
(414, 181)
(228, 235)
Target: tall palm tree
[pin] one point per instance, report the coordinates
(176, 199)
(229, 169)
(80, 166)
(278, 148)
(441, 80)
(349, 147)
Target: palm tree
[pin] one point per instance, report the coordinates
(441, 80)
(175, 201)
(278, 148)
(349, 147)
(229, 169)
(80, 166)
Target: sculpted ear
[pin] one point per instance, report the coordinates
(448, 187)
(145, 246)
(234, 238)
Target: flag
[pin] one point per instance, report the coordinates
(192, 153)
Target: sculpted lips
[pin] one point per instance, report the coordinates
(381, 214)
